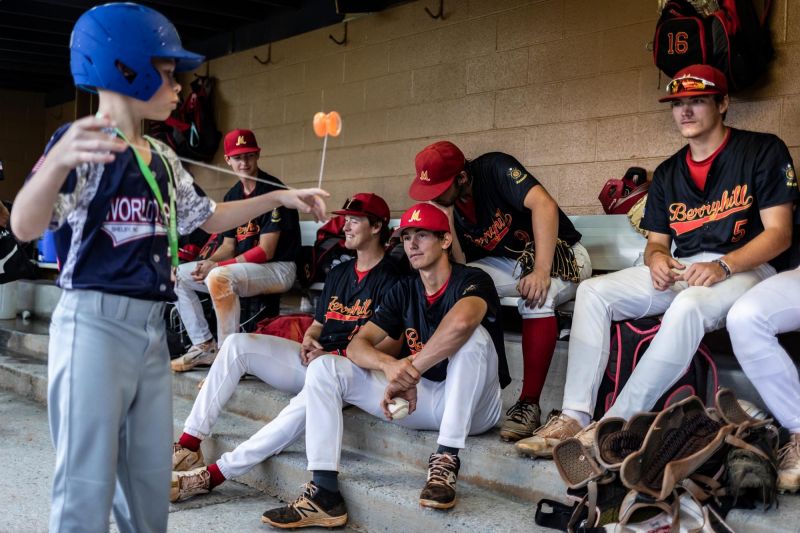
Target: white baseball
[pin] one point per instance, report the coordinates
(398, 409)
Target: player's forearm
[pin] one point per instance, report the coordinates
(225, 251)
(453, 332)
(314, 331)
(769, 244)
(361, 352)
(33, 206)
(229, 215)
(654, 248)
(545, 234)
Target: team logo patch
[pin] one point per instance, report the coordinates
(516, 175)
(276, 215)
(470, 289)
(791, 178)
(412, 340)
(130, 219)
(423, 176)
(415, 216)
(240, 141)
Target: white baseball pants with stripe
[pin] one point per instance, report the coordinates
(770, 308)
(466, 403)
(689, 312)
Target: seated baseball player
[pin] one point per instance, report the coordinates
(352, 292)
(450, 376)
(255, 258)
(725, 201)
(770, 308)
(498, 211)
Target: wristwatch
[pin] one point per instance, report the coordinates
(724, 266)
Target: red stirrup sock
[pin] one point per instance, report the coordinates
(539, 336)
(189, 442)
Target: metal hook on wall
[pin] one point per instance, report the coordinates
(269, 56)
(440, 14)
(341, 42)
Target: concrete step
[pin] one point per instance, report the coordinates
(378, 455)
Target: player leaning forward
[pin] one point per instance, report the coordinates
(109, 394)
(725, 201)
(447, 315)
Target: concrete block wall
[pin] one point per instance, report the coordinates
(566, 86)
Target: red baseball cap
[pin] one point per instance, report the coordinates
(437, 166)
(365, 204)
(696, 80)
(424, 216)
(240, 142)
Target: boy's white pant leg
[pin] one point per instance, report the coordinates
(110, 410)
(770, 308)
(466, 403)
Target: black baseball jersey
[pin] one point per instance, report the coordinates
(503, 226)
(405, 311)
(346, 304)
(282, 219)
(753, 172)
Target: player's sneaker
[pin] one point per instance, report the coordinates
(188, 484)
(199, 354)
(440, 490)
(545, 438)
(316, 506)
(522, 419)
(184, 459)
(789, 465)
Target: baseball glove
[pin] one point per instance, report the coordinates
(636, 214)
(564, 264)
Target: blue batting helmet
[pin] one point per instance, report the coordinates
(112, 47)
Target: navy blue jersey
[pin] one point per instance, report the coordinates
(503, 226)
(281, 219)
(347, 304)
(109, 232)
(405, 311)
(753, 171)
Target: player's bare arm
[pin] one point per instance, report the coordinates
(544, 219)
(84, 142)
(775, 239)
(364, 351)
(658, 258)
(232, 214)
(453, 331)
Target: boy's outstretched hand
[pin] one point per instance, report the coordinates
(306, 201)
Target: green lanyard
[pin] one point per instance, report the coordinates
(169, 219)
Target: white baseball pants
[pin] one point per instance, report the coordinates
(769, 308)
(226, 284)
(466, 403)
(274, 360)
(501, 270)
(689, 312)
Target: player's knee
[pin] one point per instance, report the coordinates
(219, 282)
(689, 302)
(591, 290)
(321, 370)
(744, 320)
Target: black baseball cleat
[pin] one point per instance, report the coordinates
(316, 506)
(440, 490)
